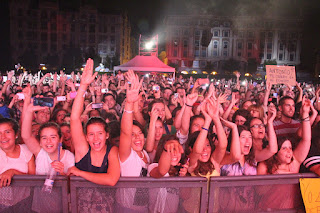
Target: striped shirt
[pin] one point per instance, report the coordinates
(286, 129)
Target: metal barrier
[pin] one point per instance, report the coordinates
(25, 195)
(269, 193)
(156, 195)
(264, 193)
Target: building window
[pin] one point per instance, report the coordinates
(281, 46)
(185, 53)
(261, 55)
(280, 57)
(225, 53)
(44, 36)
(269, 56)
(270, 34)
(196, 53)
(53, 37)
(175, 42)
(204, 52)
(249, 46)
(175, 53)
(240, 34)
(249, 54)
(291, 57)
(92, 28)
(250, 34)
(239, 54)
(202, 63)
(226, 33)
(197, 43)
(216, 33)
(83, 28)
(197, 32)
(215, 53)
(185, 43)
(215, 44)
(113, 29)
(44, 25)
(225, 45)
(239, 45)
(53, 27)
(269, 45)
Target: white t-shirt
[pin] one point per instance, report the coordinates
(43, 162)
(163, 200)
(12, 195)
(131, 168)
(20, 163)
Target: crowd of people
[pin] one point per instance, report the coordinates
(132, 125)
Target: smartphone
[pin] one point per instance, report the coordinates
(203, 81)
(225, 85)
(61, 98)
(48, 102)
(104, 90)
(97, 105)
(275, 95)
(176, 95)
(157, 88)
(254, 84)
(20, 96)
(191, 86)
(73, 95)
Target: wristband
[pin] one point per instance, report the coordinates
(305, 118)
(205, 129)
(189, 105)
(127, 111)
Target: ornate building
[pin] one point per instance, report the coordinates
(46, 30)
(208, 42)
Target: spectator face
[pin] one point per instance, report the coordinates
(7, 137)
(239, 120)
(112, 87)
(137, 142)
(97, 136)
(42, 116)
(285, 153)
(245, 142)
(35, 130)
(246, 105)
(206, 152)
(66, 136)
(1, 101)
(166, 94)
(49, 139)
(159, 130)
(197, 124)
(60, 116)
(181, 92)
(94, 113)
(45, 89)
(288, 108)
(176, 157)
(109, 100)
(258, 129)
(255, 113)
(161, 109)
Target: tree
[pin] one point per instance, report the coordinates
(269, 62)
(231, 65)
(252, 65)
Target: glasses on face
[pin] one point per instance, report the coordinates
(258, 126)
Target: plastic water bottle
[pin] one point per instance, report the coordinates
(48, 184)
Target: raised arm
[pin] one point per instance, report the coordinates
(235, 149)
(220, 150)
(178, 119)
(80, 143)
(190, 100)
(301, 151)
(272, 148)
(266, 95)
(171, 149)
(152, 130)
(231, 105)
(127, 117)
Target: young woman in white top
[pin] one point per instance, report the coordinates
(46, 152)
(134, 160)
(15, 159)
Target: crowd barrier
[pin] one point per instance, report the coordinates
(269, 193)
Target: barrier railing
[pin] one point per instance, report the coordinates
(270, 193)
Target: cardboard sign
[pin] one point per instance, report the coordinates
(281, 74)
(310, 191)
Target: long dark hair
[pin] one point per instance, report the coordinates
(249, 158)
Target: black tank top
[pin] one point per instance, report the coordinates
(85, 163)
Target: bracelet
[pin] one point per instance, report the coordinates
(205, 129)
(127, 111)
(189, 105)
(305, 118)
(82, 90)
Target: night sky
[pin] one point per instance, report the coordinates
(146, 17)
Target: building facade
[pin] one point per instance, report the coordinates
(208, 42)
(47, 30)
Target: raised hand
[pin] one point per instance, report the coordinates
(154, 114)
(272, 113)
(87, 75)
(213, 108)
(227, 123)
(191, 99)
(204, 110)
(133, 91)
(173, 147)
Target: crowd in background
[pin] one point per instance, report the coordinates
(133, 125)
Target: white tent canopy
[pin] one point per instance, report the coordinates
(145, 64)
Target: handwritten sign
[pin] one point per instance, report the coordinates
(281, 74)
(310, 190)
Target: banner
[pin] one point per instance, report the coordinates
(310, 191)
(281, 74)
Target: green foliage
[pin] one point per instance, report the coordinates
(269, 62)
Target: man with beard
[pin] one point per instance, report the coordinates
(286, 126)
